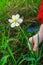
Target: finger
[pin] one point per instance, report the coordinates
(31, 41)
(35, 48)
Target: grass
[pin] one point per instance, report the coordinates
(14, 49)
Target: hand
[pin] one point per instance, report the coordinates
(34, 40)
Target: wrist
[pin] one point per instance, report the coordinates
(41, 33)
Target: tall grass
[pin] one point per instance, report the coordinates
(13, 45)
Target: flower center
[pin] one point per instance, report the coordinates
(15, 20)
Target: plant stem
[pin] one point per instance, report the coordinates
(29, 44)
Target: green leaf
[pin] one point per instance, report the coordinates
(26, 59)
(30, 59)
(3, 60)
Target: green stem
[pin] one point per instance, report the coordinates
(29, 44)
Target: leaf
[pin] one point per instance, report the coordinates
(30, 59)
(26, 59)
(3, 60)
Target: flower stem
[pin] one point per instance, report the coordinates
(29, 44)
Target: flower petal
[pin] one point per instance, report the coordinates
(20, 20)
(17, 15)
(10, 20)
(12, 25)
(13, 16)
(17, 24)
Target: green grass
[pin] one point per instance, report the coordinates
(14, 48)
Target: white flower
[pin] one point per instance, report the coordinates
(15, 21)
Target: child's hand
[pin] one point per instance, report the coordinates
(34, 42)
(34, 39)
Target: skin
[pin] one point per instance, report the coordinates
(34, 41)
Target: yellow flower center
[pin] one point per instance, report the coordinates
(15, 20)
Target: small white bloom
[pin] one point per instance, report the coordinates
(15, 21)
